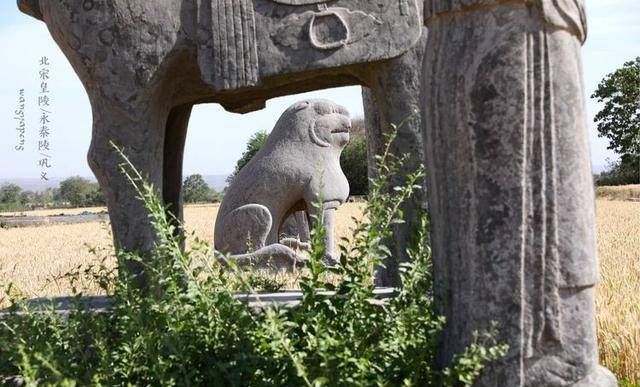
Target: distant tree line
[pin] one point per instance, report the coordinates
(196, 190)
(72, 192)
(80, 192)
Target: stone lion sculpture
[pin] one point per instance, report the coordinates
(296, 170)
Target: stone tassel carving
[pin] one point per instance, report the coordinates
(231, 46)
(541, 275)
(510, 187)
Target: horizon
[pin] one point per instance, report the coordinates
(217, 182)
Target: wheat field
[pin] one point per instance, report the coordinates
(32, 258)
(618, 294)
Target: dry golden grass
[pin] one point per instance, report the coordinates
(55, 211)
(618, 294)
(29, 256)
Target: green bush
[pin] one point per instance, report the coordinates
(353, 159)
(622, 172)
(189, 329)
(11, 207)
(10, 195)
(80, 192)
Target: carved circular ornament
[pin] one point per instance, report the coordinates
(324, 13)
(325, 44)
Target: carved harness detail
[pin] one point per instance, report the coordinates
(240, 42)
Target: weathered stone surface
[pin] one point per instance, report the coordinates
(510, 187)
(296, 228)
(298, 37)
(392, 97)
(297, 169)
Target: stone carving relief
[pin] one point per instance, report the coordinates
(144, 73)
(297, 36)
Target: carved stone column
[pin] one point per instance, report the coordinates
(392, 95)
(510, 186)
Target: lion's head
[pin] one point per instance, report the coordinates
(318, 121)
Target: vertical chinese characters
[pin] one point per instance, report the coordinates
(44, 106)
(20, 122)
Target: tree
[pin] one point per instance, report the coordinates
(77, 191)
(354, 159)
(619, 119)
(617, 173)
(10, 194)
(47, 197)
(28, 198)
(253, 146)
(216, 197)
(96, 197)
(196, 190)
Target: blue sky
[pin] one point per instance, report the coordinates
(217, 138)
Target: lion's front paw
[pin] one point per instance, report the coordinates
(296, 244)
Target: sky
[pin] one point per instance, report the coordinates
(217, 138)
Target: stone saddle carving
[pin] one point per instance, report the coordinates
(144, 65)
(297, 36)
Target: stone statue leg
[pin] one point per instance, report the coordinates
(329, 222)
(175, 136)
(246, 228)
(132, 67)
(511, 195)
(294, 232)
(248, 238)
(140, 132)
(304, 234)
(332, 254)
(392, 95)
